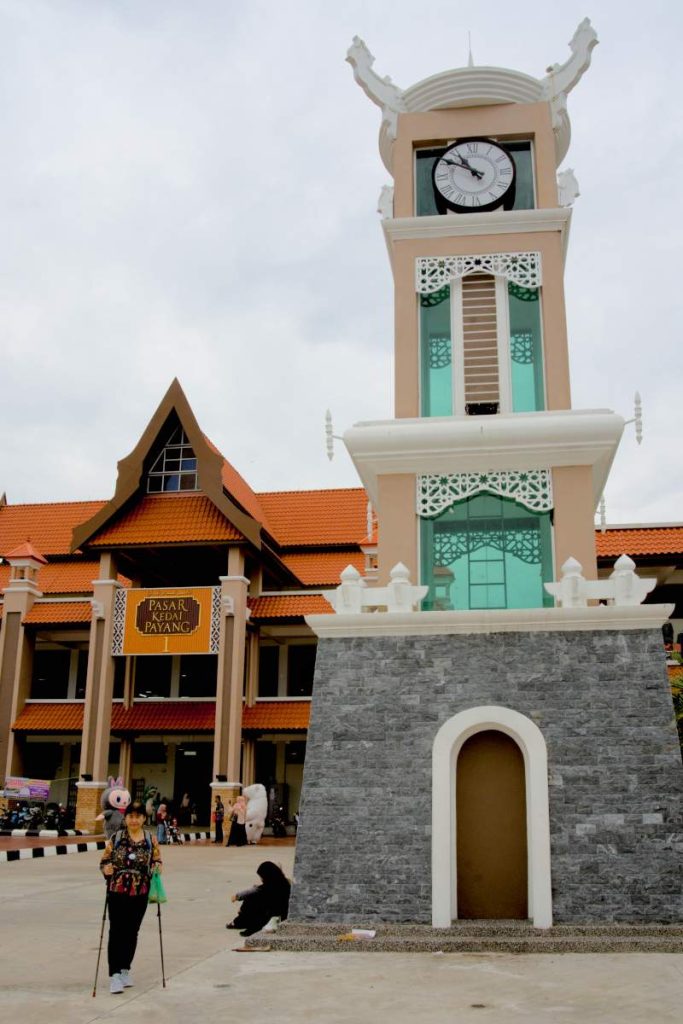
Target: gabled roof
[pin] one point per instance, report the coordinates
(325, 518)
(241, 511)
(167, 519)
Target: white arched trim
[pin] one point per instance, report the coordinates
(447, 743)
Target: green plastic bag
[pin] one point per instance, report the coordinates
(157, 893)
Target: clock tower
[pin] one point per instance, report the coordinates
(508, 750)
(487, 480)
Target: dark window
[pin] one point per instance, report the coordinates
(153, 676)
(300, 668)
(149, 753)
(175, 467)
(295, 752)
(42, 760)
(268, 671)
(50, 678)
(198, 675)
(81, 673)
(119, 678)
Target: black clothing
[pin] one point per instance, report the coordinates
(271, 899)
(125, 917)
(238, 834)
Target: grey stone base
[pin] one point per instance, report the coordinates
(602, 702)
(476, 937)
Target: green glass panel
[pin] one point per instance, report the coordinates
(526, 350)
(524, 178)
(486, 552)
(436, 354)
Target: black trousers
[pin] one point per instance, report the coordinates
(219, 831)
(125, 917)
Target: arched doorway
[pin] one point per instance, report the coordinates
(448, 742)
(491, 846)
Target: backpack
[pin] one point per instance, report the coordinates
(117, 839)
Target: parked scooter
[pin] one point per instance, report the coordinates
(278, 821)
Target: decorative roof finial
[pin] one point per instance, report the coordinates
(470, 59)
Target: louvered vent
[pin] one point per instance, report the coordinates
(480, 344)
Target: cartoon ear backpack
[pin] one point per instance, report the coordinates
(114, 800)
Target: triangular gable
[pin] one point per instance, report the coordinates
(210, 466)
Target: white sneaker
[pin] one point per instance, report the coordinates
(115, 984)
(127, 979)
(272, 925)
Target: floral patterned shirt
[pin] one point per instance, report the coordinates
(133, 863)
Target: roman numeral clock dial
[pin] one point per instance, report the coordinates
(474, 175)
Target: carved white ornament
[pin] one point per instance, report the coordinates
(381, 91)
(531, 488)
(385, 203)
(119, 622)
(353, 596)
(567, 187)
(562, 78)
(623, 587)
(433, 272)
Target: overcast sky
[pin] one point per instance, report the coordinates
(189, 189)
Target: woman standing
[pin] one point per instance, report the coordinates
(129, 859)
(162, 826)
(238, 830)
(218, 816)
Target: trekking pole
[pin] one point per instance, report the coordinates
(99, 951)
(161, 946)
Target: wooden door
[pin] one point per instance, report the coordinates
(491, 842)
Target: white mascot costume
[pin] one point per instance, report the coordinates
(257, 809)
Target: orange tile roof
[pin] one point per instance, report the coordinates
(277, 715)
(150, 716)
(317, 518)
(57, 613)
(61, 577)
(167, 519)
(25, 550)
(323, 568)
(164, 716)
(49, 526)
(50, 718)
(238, 488)
(288, 606)
(633, 541)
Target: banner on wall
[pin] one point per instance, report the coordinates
(178, 620)
(19, 788)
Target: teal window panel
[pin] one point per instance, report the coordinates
(487, 552)
(526, 349)
(436, 354)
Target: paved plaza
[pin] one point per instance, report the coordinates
(51, 914)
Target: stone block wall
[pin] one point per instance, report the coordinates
(601, 700)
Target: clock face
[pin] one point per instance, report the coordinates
(474, 175)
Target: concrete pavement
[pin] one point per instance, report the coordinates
(51, 911)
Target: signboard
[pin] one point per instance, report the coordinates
(178, 620)
(19, 788)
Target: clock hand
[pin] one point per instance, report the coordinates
(464, 163)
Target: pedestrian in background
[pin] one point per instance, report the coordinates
(162, 825)
(218, 816)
